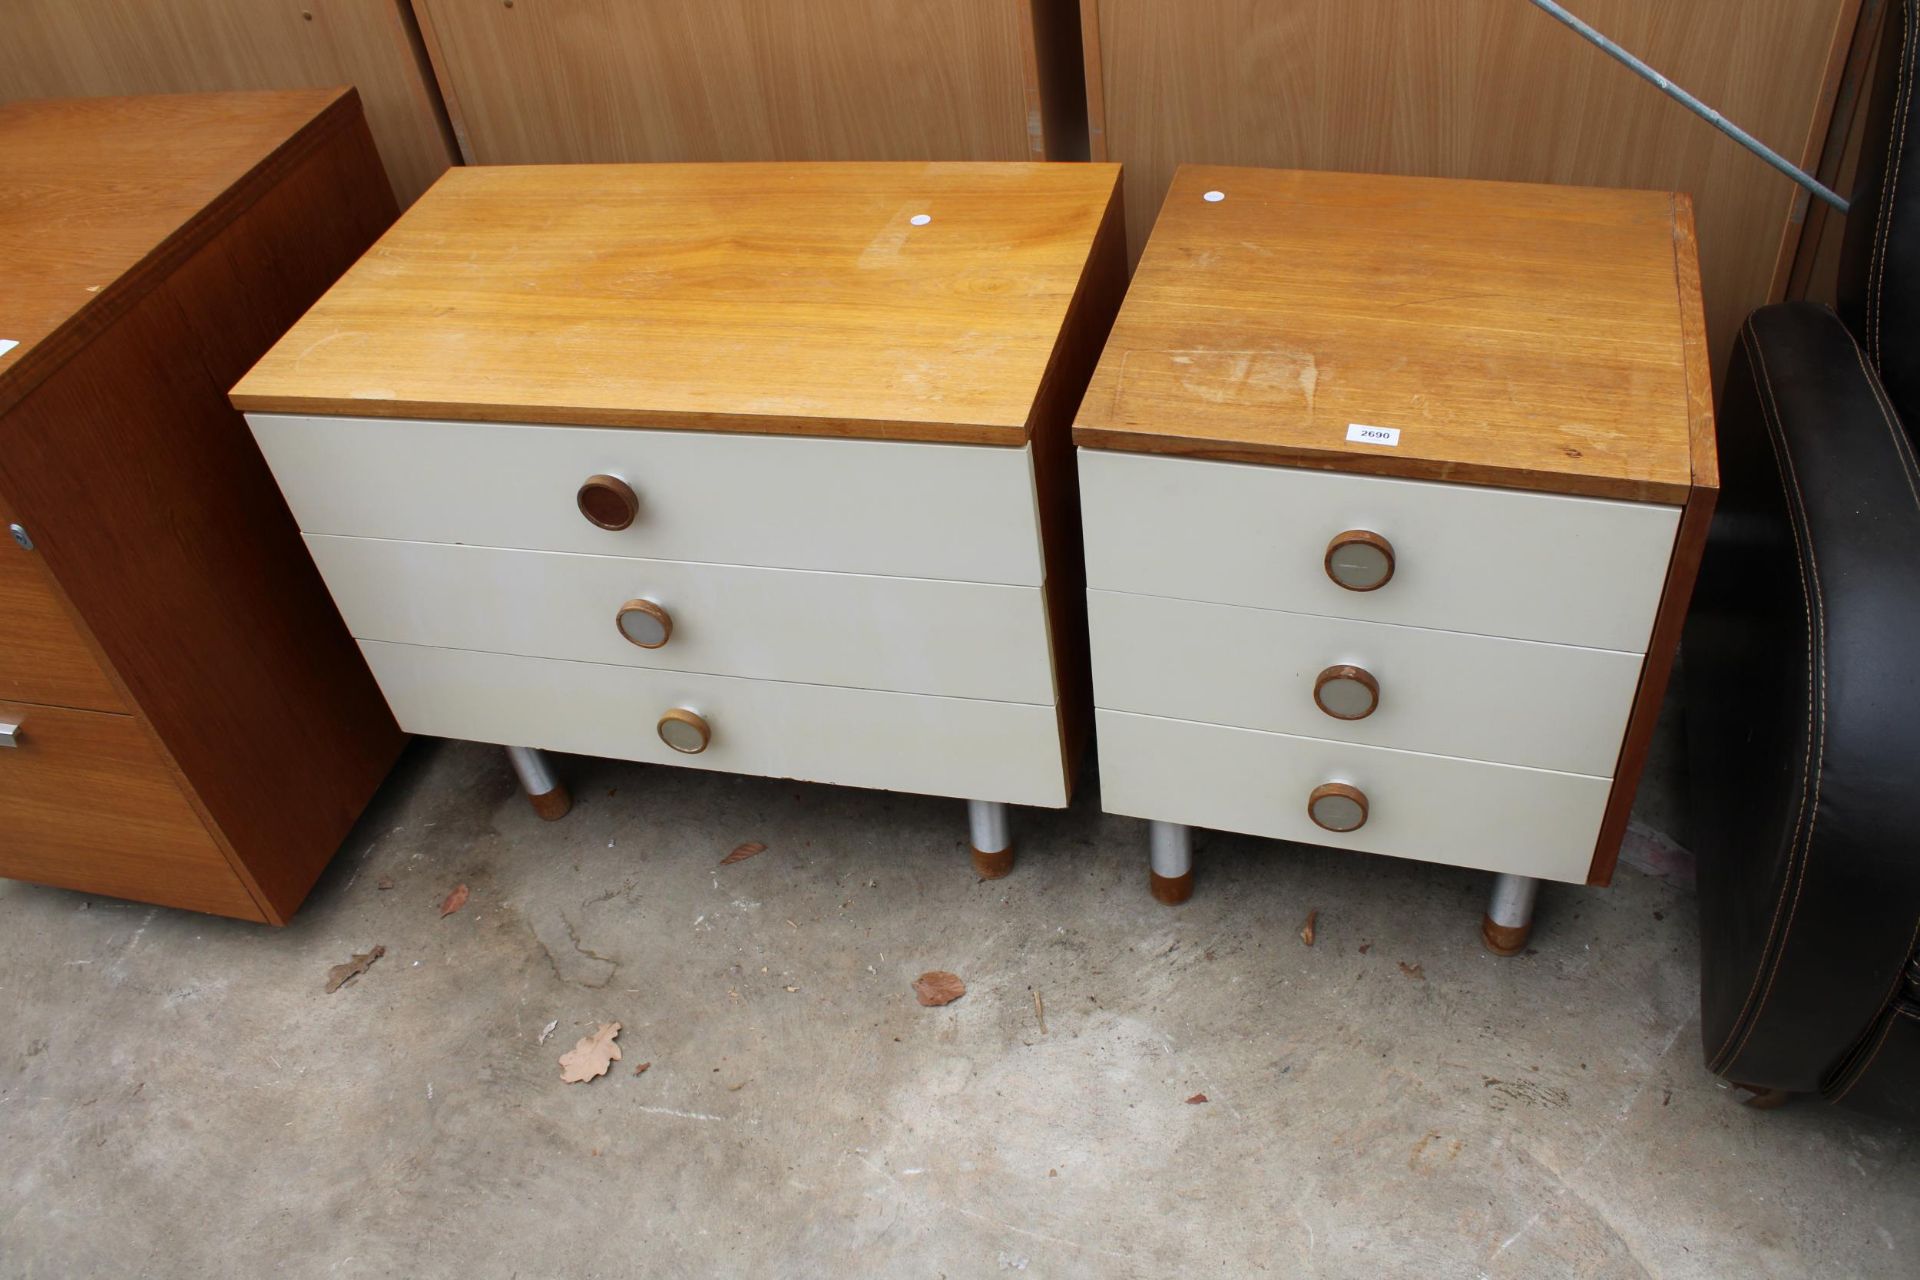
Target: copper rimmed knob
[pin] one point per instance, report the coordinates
(1346, 692)
(608, 501)
(1360, 560)
(644, 623)
(1338, 807)
(685, 731)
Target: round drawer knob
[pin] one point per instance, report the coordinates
(608, 501)
(1346, 692)
(644, 623)
(1359, 560)
(1338, 807)
(685, 731)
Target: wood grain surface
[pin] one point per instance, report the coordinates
(150, 505)
(1517, 335)
(1479, 89)
(676, 80)
(72, 48)
(149, 179)
(87, 803)
(44, 657)
(790, 298)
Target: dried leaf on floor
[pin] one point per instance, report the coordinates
(937, 987)
(1196, 1099)
(1306, 930)
(591, 1056)
(1413, 971)
(743, 852)
(1365, 947)
(454, 901)
(642, 1068)
(384, 882)
(341, 974)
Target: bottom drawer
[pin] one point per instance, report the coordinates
(87, 803)
(1497, 817)
(975, 750)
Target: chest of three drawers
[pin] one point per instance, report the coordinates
(756, 468)
(1393, 494)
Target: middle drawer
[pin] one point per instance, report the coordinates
(1440, 692)
(905, 635)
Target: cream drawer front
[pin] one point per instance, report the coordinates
(1493, 562)
(909, 635)
(1440, 692)
(792, 502)
(1006, 751)
(1493, 816)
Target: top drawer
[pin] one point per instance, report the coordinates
(849, 506)
(1498, 562)
(42, 657)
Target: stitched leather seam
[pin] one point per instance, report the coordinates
(1883, 225)
(1901, 445)
(1866, 1066)
(1743, 1024)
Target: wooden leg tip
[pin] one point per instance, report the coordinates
(553, 805)
(1171, 889)
(993, 866)
(1502, 939)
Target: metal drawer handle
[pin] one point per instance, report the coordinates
(644, 623)
(608, 501)
(1346, 692)
(1360, 560)
(10, 732)
(1338, 807)
(685, 731)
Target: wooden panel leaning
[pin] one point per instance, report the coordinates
(672, 80)
(188, 721)
(1481, 89)
(71, 48)
(754, 467)
(1443, 446)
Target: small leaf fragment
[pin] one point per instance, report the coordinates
(742, 852)
(384, 882)
(1306, 930)
(454, 901)
(1414, 971)
(1196, 1099)
(341, 974)
(591, 1056)
(642, 1068)
(937, 987)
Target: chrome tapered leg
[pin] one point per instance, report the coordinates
(1170, 854)
(543, 787)
(992, 832)
(1509, 919)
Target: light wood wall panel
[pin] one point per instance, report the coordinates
(1480, 89)
(540, 81)
(86, 48)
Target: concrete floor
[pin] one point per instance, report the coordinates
(178, 1097)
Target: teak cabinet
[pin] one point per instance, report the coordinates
(184, 720)
(763, 468)
(1394, 490)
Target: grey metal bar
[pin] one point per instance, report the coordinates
(1693, 104)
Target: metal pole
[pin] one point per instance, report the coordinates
(1694, 105)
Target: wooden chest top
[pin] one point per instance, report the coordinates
(1508, 334)
(99, 197)
(901, 300)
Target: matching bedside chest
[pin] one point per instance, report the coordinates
(763, 468)
(1394, 490)
(183, 718)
